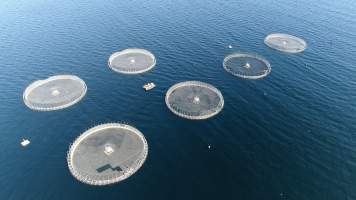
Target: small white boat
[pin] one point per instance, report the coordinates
(230, 46)
(149, 86)
(25, 142)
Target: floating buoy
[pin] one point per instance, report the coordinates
(25, 142)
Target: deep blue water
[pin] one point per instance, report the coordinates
(291, 135)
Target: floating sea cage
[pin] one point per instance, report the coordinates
(54, 93)
(194, 100)
(247, 66)
(286, 43)
(132, 61)
(107, 154)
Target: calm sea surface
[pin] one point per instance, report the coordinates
(291, 135)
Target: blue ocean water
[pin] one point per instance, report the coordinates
(291, 135)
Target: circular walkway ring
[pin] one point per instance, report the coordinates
(195, 99)
(285, 43)
(95, 179)
(34, 85)
(131, 61)
(247, 66)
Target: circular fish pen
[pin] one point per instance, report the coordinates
(54, 93)
(286, 43)
(107, 154)
(132, 61)
(194, 100)
(247, 66)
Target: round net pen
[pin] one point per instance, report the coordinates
(285, 43)
(194, 100)
(54, 93)
(107, 154)
(247, 66)
(132, 61)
